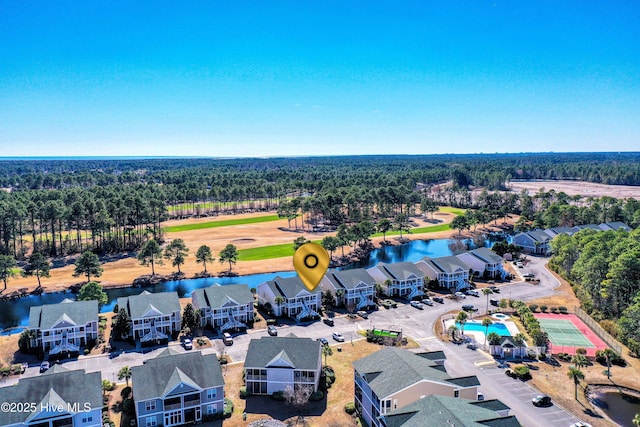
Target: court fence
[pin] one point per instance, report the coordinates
(600, 332)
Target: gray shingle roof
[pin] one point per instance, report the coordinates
(159, 375)
(399, 270)
(447, 264)
(487, 255)
(433, 355)
(538, 235)
(615, 225)
(68, 311)
(392, 369)
(138, 305)
(469, 381)
(349, 279)
(217, 296)
(437, 410)
(303, 353)
(55, 388)
(288, 287)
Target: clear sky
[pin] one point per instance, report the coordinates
(266, 78)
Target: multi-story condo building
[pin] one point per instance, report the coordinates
(177, 389)
(351, 288)
(65, 327)
(154, 317)
(484, 262)
(225, 307)
(401, 279)
(290, 297)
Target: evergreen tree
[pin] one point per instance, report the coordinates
(228, 254)
(93, 291)
(176, 251)
(150, 255)
(204, 255)
(88, 264)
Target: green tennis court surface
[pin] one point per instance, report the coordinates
(564, 333)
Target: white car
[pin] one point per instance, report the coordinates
(188, 345)
(427, 302)
(460, 295)
(417, 305)
(580, 424)
(338, 337)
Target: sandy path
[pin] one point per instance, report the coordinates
(572, 188)
(122, 272)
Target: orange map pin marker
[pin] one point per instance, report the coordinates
(311, 262)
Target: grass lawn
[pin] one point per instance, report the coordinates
(455, 211)
(224, 223)
(267, 252)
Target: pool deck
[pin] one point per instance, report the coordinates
(478, 336)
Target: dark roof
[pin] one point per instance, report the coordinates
(538, 235)
(399, 270)
(469, 381)
(298, 353)
(349, 279)
(217, 296)
(486, 255)
(67, 312)
(157, 376)
(392, 369)
(433, 355)
(615, 225)
(493, 404)
(138, 305)
(288, 287)
(435, 410)
(58, 388)
(447, 264)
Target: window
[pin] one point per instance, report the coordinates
(87, 419)
(150, 405)
(456, 393)
(211, 393)
(211, 409)
(151, 422)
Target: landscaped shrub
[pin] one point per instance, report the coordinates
(610, 326)
(329, 375)
(543, 308)
(243, 392)
(316, 395)
(562, 309)
(554, 309)
(582, 351)
(542, 356)
(279, 396)
(228, 408)
(350, 408)
(522, 372)
(533, 307)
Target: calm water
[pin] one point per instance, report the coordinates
(498, 328)
(16, 313)
(621, 407)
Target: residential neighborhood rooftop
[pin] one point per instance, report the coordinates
(349, 279)
(67, 312)
(301, 353)
(141, 304)
(217, 296)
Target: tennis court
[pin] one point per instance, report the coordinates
(568, 333)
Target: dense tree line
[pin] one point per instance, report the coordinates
(604, 269)
(60, 207)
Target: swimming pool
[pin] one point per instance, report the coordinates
(499, 328)
(500, 316)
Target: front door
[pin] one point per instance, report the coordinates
(173, 418)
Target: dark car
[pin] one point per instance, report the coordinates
(469, 307)
(363, 314)
(494, 302)
(438, 299)
(323, 341)
(328, 321)
(44, 366)
(495, 289)
(541, 400)
(271, 330)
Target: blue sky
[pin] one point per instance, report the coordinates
(221, 78)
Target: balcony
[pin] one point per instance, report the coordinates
(189, 403)
(171, 406)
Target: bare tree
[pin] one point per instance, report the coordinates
(298, 398)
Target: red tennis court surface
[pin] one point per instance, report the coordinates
(576, 327)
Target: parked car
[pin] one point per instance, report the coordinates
(528, 275)
(580, 424)
(460, 295)
(323, 341)
(44, 366)
(541, 400)
(519, 265)
(352, 316)
(480, 397)
(188, 345)
(328, 321)
(271, 330)
(494, 302)
(390, 302)
(469, 307)
(495, 289)
(427, 301)
(439, 300)
(363, 314)
(227, 339)
(417, 305)
(473, 293)
(337, 336)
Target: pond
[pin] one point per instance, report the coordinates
(14, 315)
(620, 407)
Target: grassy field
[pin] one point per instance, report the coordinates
(223, 223)
(455, 211)
(267, 252)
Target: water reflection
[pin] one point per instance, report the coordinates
(14, 313)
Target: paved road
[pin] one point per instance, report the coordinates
(417, 324)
